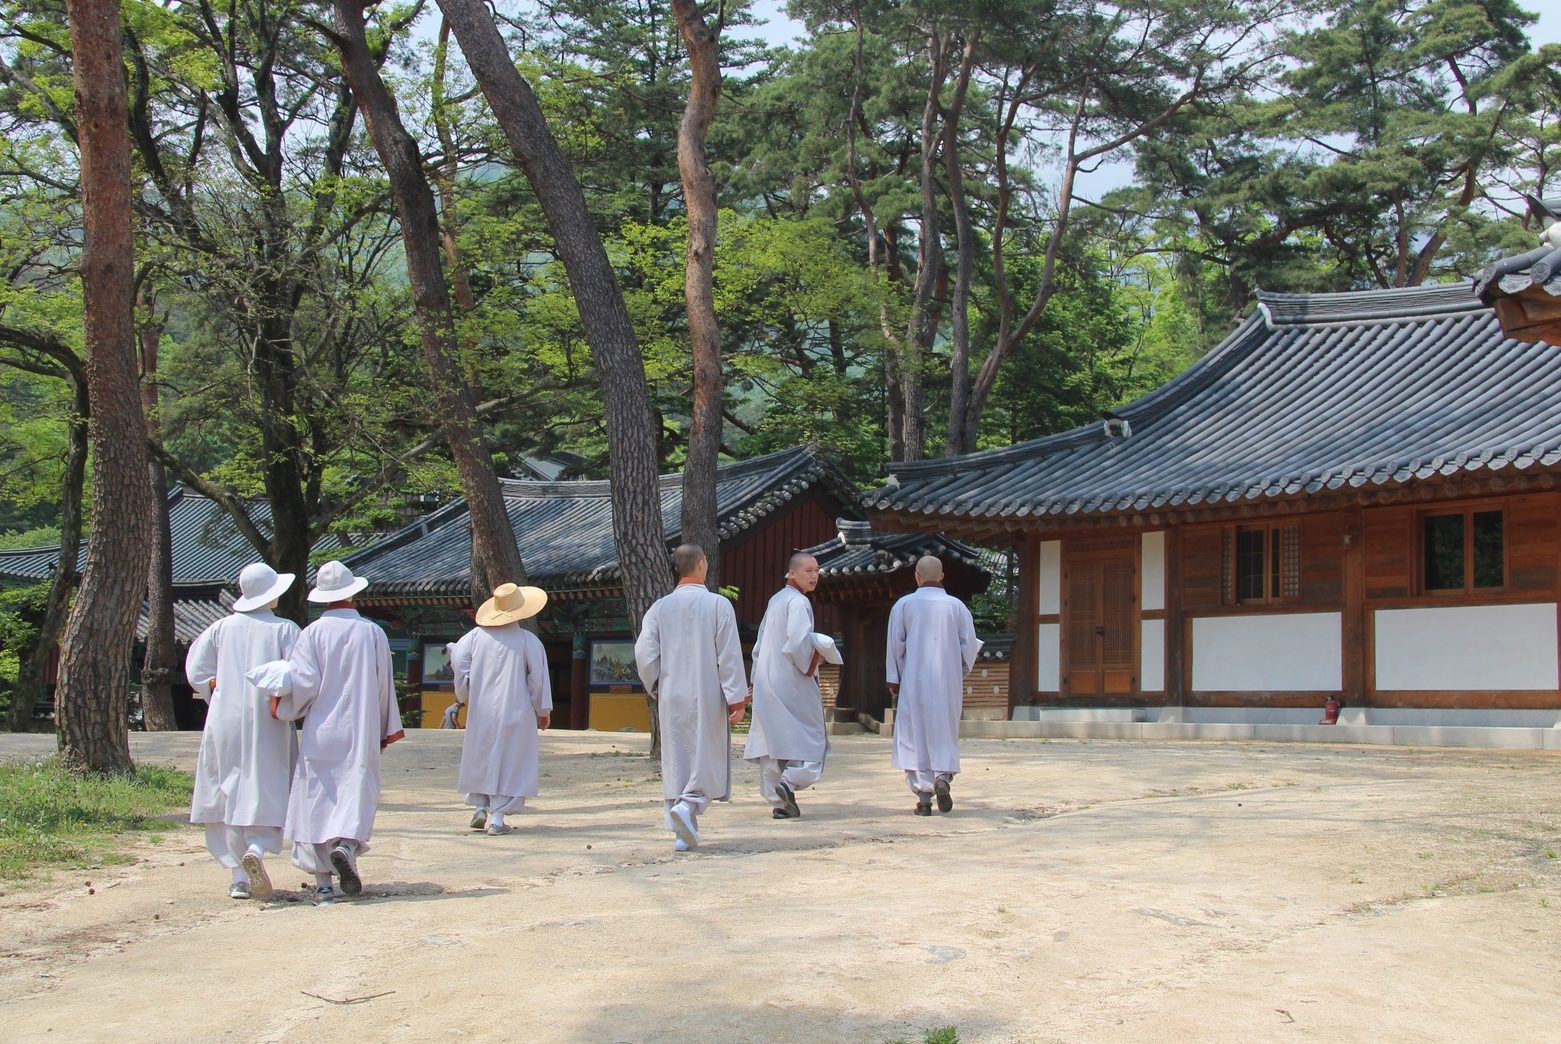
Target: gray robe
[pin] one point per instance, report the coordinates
(788, 712)
(690, 659)
(932, 646)
(501, 674)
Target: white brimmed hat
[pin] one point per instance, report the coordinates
(334, 582)
(510, 603)
(259, 585)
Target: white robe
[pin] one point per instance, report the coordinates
(343, 691)
(690, 659)
(246, 756)
(932, 646)
(788, 712)
(501, 675)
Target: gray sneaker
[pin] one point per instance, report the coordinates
(479, 819)
(788, 800)
(259, 880)
(240, 890)
(346, 873)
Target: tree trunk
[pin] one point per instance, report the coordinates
(495, 557)
(704, 440)
(161, 663)
(638, 531)
(929, 260)
(961, 436)
(90, 704)
(30, 683)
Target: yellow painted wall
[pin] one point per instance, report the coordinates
(434, 703)
(612, 711)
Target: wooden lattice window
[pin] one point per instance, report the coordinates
(1261, 564)
(1463, 551)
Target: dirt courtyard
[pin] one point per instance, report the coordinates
(1079, 892)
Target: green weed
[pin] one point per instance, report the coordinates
(50, 818)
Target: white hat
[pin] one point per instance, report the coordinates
(260, 585)
(510, 603)
(334, 582)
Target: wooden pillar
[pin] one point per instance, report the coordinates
(579, 690)
(1021, 676)
(1175, 621)
(1356, 672)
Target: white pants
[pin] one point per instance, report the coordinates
(498, 804)
(799, 775)
(921, 782)
(227, 844)
(315, 857)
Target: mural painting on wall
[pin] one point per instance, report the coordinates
(612, 663)
(437, 673)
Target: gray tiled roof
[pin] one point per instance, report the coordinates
(193, 612)
(565, 528)
(1510, 276)
(1311, 393)
(858, 549)
(208, 549)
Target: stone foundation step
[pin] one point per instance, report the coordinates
(843, 728)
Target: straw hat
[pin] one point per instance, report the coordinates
(334, 582)
(510, 603)
(259, 585)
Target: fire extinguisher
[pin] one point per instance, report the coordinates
(1331, 711)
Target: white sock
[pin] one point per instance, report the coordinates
(322, 880)
(239, 876)
(497, 819)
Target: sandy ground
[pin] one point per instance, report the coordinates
(1078, 892)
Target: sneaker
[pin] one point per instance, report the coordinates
(240, 890)
(341, 861)
(788, 800)
(940, 787)
(683, 825)
(779, 813)
(479, 819)
(259, 880)
(680, 845)
(496, 829)
(324, 895)
(924, 808)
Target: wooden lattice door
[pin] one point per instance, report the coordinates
(1101, 614)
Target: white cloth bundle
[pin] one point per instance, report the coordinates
(272, 678)
(827, 648)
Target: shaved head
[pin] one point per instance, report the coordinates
(686, 559)
(798, 559)
(929, 569)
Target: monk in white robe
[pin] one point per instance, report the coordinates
(932, 646)
(787, 738)
(343, 691)
(691, 661)
(501, 675)
(246, 756)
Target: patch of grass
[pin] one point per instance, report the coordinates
(1550, 853)
(49, 818)
(942, 1035)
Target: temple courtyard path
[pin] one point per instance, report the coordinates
(1093, 891)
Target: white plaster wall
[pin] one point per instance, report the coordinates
(1268, 652)
(1152, 552)
(1048, 658)
(1151, 643)
(1051, 577)
(1467, 647)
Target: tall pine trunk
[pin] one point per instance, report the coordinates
(638, 531)
(91, 701)
(495, 556)
(31, 679)
(160, 665)
(704, 440)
